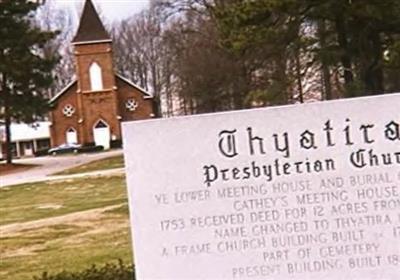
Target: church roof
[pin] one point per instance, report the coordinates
(90, 27)
(145, 93)
(64, 90)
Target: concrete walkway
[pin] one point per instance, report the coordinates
(52, 164)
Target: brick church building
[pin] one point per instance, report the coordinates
(90, 109)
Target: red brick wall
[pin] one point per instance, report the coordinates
(61, 123)
(95, 106)
(107, 105)
(99, 106)
(126, 92)
(100, 53)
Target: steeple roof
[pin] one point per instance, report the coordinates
(90, 27)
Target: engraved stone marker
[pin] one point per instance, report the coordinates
(296, 192)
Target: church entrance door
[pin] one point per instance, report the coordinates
(72, 137)
(101, 134)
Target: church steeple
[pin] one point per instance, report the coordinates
(97, 100)
(93, 53)
(91, 29)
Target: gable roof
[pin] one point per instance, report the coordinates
(64, 90)
(91, 29)
(146, 94)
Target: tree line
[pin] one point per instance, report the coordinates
(199, 56)
(211, 55)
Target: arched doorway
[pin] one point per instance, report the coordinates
(71, 136)
(101, 134)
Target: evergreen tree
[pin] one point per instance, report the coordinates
(358, 39)
(24, 71)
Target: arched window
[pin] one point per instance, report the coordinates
(96, 79)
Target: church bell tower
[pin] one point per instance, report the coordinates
(96, 84)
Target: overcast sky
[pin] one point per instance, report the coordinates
(111, 9)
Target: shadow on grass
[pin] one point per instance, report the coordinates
(6, 169)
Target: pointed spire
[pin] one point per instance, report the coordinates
(90, 27)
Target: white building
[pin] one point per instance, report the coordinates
(26, 139)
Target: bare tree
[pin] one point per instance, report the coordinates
(138, 50)
(49, 17)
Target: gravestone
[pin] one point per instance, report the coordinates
(295, 192)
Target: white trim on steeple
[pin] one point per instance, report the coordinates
(92, 42)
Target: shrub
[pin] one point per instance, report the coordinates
(116, 144)
(110, 271)
(41, 152)
(88, 144)
(90, 149)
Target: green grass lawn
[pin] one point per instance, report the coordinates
(63, 225)
(102, 164)
(53, 198)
